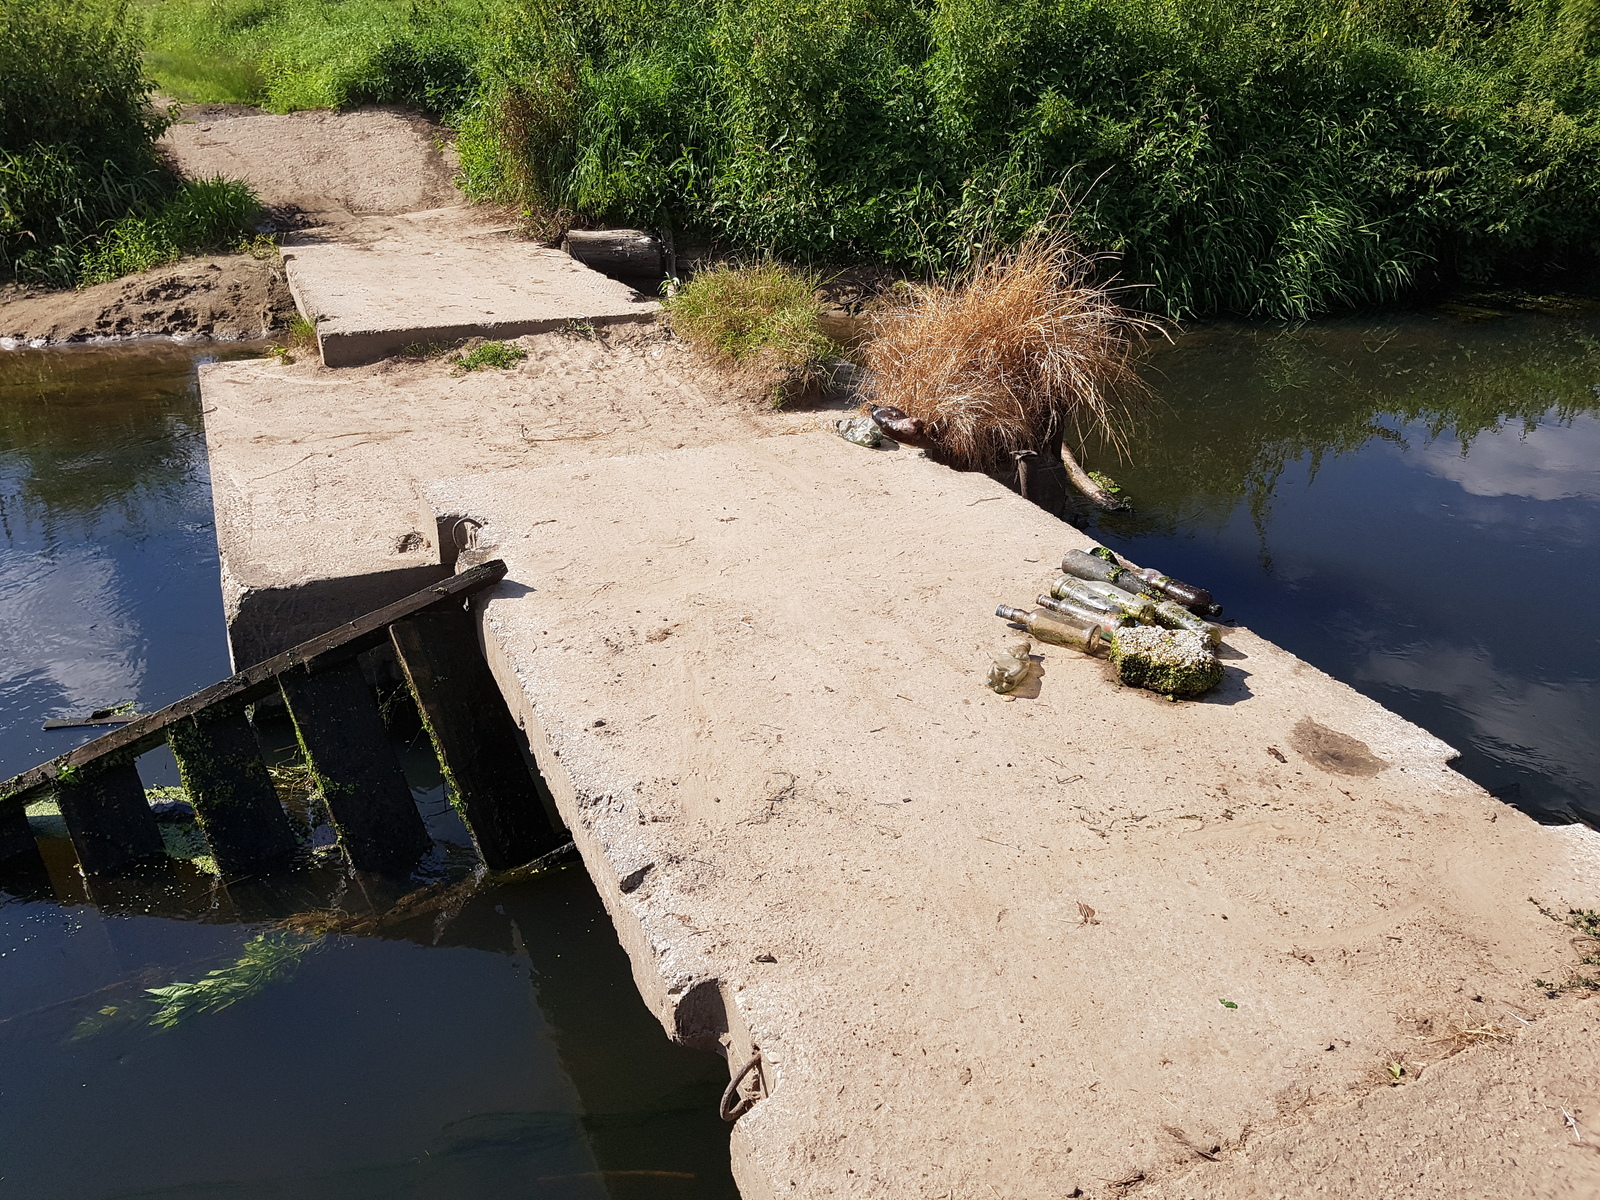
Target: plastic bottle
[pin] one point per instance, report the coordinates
(1109, 622)
(1010, 667)
(1057, 628)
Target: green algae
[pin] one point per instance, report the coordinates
(1171, 662)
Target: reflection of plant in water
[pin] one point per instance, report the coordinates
(267, 958)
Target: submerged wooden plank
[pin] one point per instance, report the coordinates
(104, 807)
(260, 680)
(475, 737)
(233, 797)
(341, 732)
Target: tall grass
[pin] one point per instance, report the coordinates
(1270, 157)
(77, 133)
(1275, 157)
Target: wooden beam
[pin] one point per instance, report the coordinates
(260, 680)
(475, 738)
(104, 807)
(341, 733)
(233, 797)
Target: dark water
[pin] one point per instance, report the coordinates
(1412, 505)
(491, 1045)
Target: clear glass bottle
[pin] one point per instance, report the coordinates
(1107, 620)
(1077, 633)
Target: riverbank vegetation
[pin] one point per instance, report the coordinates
(1265, 157)
(84, 196)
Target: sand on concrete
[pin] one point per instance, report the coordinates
(227, 298)
(376, 286)
(316, 471)
(753, 677)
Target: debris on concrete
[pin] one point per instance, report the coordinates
(861, 431)
(1010, 667)
(1173, 662)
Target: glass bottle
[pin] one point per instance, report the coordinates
(1078, 633)
(1087, 566)
(1108, 621)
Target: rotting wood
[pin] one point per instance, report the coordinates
(233, 797)
(629, 252)
(258, 681)
(107, 815)
(475, 738)
(341, 733)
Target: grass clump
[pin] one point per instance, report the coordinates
(497, 356)
(763, 317)
(204, 215)
(1026, 347)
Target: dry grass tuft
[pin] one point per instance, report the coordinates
(1023, 350)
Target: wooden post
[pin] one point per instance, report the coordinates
(104, 807)
(16, 835)
(233, 797)
(475, 737)
(341, 732)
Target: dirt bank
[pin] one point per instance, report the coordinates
(311, 170)
(230, 298)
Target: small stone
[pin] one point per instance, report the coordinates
(1171, 662)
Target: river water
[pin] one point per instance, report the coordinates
(1411, 504)
(478, 1052)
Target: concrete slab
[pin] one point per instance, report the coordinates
(1056, 945)
(315, 471)
(379, 285)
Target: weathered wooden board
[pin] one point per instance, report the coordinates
(341, 732)
(233, 797)
(475, 737)
(104, 807)
(260, 680)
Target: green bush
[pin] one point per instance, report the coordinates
(77, 133)
(1276, 157)
(204, 215)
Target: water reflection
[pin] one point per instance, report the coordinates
(1414, 507)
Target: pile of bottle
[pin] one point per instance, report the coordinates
(1098, 595)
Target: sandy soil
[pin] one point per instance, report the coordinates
(311, 169)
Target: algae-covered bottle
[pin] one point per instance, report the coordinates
(1088, 566)
(1078, 633)
(1095, 593)
(1109, 621)
(1186, 594)
(1175, 616)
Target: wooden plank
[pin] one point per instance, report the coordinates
(260, 680)
(233, 797)
(341, 733)
(104, 807)
(475, 737)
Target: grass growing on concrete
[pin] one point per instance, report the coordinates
(1026, 347)
(763, 317)
(1587, 924)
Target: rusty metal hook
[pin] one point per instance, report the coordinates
(727, 1108)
